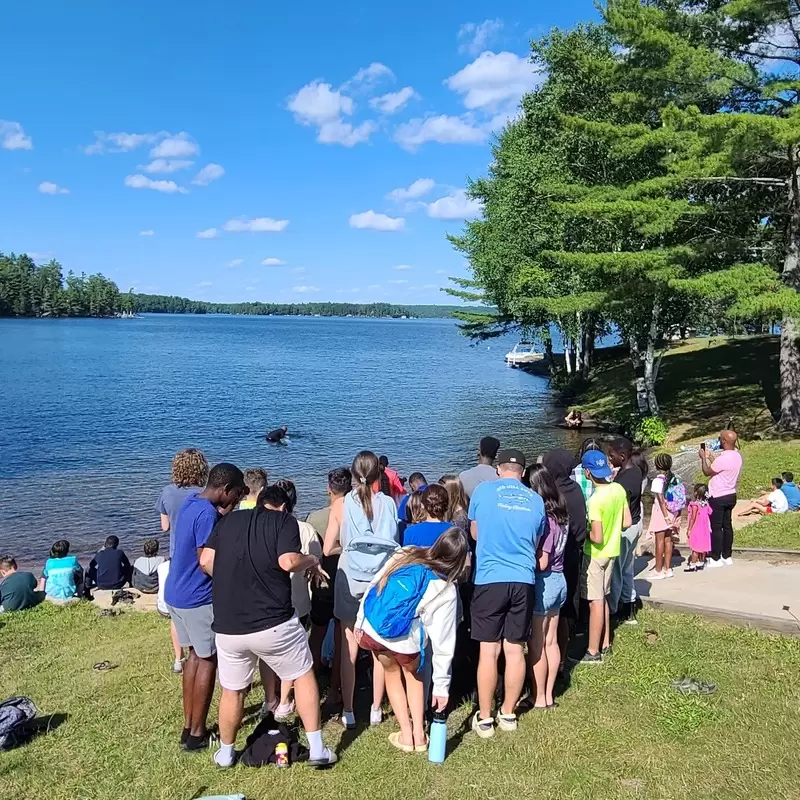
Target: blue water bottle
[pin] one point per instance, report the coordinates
(438, 738)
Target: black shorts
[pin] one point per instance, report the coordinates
(502, 611)
(321, 611)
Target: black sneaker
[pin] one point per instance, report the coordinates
(606, 652)
(588, 658)
(194, 744)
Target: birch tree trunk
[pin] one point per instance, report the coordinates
(790, 327)
(649, 357)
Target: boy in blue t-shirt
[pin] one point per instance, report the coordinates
(791, 491)
(62, 575)
(187, 594)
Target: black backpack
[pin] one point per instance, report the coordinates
(261, 743)
(15, 713)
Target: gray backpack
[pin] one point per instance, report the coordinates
(15, 713)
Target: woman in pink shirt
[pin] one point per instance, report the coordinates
(723, 473)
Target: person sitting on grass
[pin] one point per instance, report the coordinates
(110, 568)
(609, 514)
(62, 577)
(255, 479)
(17, 589)
(435, 501)
(434, 573)
(774, 502)
(791, 491)
(145, 568)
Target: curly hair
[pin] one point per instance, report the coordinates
(189, 468)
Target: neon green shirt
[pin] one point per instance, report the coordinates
(606, 505)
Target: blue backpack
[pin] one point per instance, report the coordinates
(392, 610)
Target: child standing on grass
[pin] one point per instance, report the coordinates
(699, 526)
(662, 522)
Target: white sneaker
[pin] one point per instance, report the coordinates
(375, 716)
(712, 563)
(657, 576)
(669, 574)
(284, 711)
(728, 562)
(177, 666)
(348, 720)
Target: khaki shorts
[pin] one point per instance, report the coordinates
(596, 578)
(284, 648)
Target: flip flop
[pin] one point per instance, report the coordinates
(103, 666)
(394, 741)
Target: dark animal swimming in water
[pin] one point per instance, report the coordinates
(277, 435)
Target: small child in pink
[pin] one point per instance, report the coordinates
(699, 527)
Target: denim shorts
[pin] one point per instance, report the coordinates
(549, 593)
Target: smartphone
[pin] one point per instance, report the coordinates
(703, 446)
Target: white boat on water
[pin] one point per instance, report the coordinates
(523, 353)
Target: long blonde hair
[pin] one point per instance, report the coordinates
(457, 498)
(448, 557)
(366, 470)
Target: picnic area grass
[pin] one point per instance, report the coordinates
(701, 383)
(620, 731)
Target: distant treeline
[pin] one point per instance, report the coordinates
(167, 304)
(28, 290)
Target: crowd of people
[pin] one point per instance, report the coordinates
(507, 559)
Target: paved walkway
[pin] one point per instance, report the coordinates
(752, 593)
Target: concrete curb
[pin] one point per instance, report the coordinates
(787, 627)
(767, 554)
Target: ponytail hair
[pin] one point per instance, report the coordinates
(366, 470)
(383, 480)
(663, 462)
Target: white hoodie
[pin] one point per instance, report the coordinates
(437, 612)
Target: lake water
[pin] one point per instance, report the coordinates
(94, 410)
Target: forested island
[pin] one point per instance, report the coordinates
(31, 290)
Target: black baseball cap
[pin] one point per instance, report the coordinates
(511, 457)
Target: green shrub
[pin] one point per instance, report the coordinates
(648, 431)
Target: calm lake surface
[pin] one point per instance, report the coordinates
(94, 410)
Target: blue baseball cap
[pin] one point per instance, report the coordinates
(596, 463)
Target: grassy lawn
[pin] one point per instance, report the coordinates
(780, 532)
(620, 730)
(701, 383)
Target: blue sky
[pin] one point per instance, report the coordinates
(177, 147)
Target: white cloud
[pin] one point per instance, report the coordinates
(305, 289)
(273, 262)
(299, 270)
(367, 78)
(204, 284)
(431, 286)
(209, 173)
(119, 142)
(402, 266)
(441, 272)
(317, 103)
(398, 283)
(455, 205)
(250, 288)
(373, 286)
(392, 102)
(40, 256)
(377, 222)
(475, 38)
(444, 129)
(420, 187)
(339, 132)
(46, 187)
(143, 182)
(147, 233)
(208, 233)
(355, 290)
(13, 137)
(165, 165)
(235, 262)
(179, 145)
(494, 80)
(256, 225)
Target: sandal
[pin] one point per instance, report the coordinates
(422, 748)
(394, 741)
(102, 666)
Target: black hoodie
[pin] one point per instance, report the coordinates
(560, 464)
